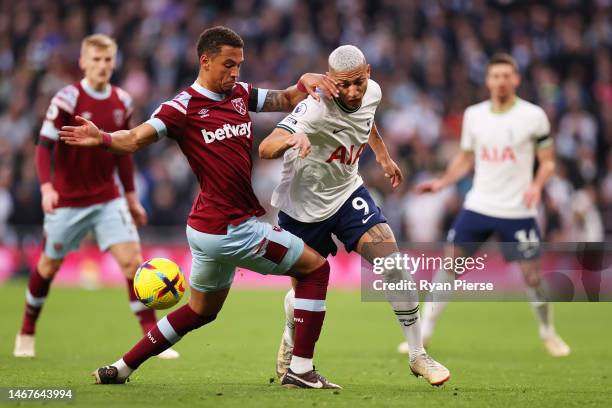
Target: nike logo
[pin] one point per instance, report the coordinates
(337, 131)
(366, 219)
(317, 384)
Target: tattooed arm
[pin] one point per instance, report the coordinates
(285, 100)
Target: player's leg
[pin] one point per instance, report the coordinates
(542, 309)
(265, 249)
(64, 230)
(521, 242)
(316, 235)
(362, 227)
(202, 309)
(433, 309)
(311, 272)
(252, 244)
(36, 295)
(379, 243)
(210, 283)
(469, 231)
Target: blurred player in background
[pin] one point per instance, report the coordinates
(80, 196)
(210, 121)
(321, 193)
(500, 139)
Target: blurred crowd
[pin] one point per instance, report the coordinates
(428, 56)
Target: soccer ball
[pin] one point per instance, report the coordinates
(159, 283)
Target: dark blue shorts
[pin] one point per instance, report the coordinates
(519, 237)
(356, 216)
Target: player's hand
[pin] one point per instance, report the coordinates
(139, 214)
(50, 198)
(300, 141)
(87, 134)
(392, 172)
(431, 186)
(313, 81)
(532, 196)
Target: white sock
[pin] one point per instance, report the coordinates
(433, 310)
(289, 324)
(406, 307)
(124, 370)
(542, 310)
(300, 365)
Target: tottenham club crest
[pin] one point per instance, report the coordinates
(239, 106)
(118, 116)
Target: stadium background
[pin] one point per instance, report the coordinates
(429, 57)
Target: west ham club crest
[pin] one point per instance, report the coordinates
(239, 106)
(118, 116)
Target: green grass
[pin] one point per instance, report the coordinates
(492, 350)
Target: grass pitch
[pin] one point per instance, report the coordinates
(492, 349)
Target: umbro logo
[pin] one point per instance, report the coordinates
(337, 130)
(203, 113)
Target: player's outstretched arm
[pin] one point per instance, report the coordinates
(391, 169)
(122, 141)
(458, 168)
(280, 140)
(285, 100)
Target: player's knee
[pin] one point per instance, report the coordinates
(320, 275)
(130, 265)
(47, 267)
(532, 279)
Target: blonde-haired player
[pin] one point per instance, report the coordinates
(79, 195)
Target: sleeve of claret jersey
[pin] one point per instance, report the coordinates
(257, 97)
(467, 139)
(56, 117)
(541, 135)
(128, 104)
(125, 169)
(307, 117)
(169, 118)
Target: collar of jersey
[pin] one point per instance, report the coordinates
(93, 93)
(508, 109)
(345, 108)
(207, 93)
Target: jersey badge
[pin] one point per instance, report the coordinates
(239, 106)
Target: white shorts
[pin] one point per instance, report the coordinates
(110, 222)
(254, 245)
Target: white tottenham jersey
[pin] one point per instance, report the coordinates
(504, 146)
(314, 188)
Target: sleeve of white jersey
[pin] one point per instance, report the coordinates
(541, 134)
(467, 140)
(377, 91)
(306, 117)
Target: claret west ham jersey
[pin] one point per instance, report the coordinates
(214, 131)
(83, 177)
